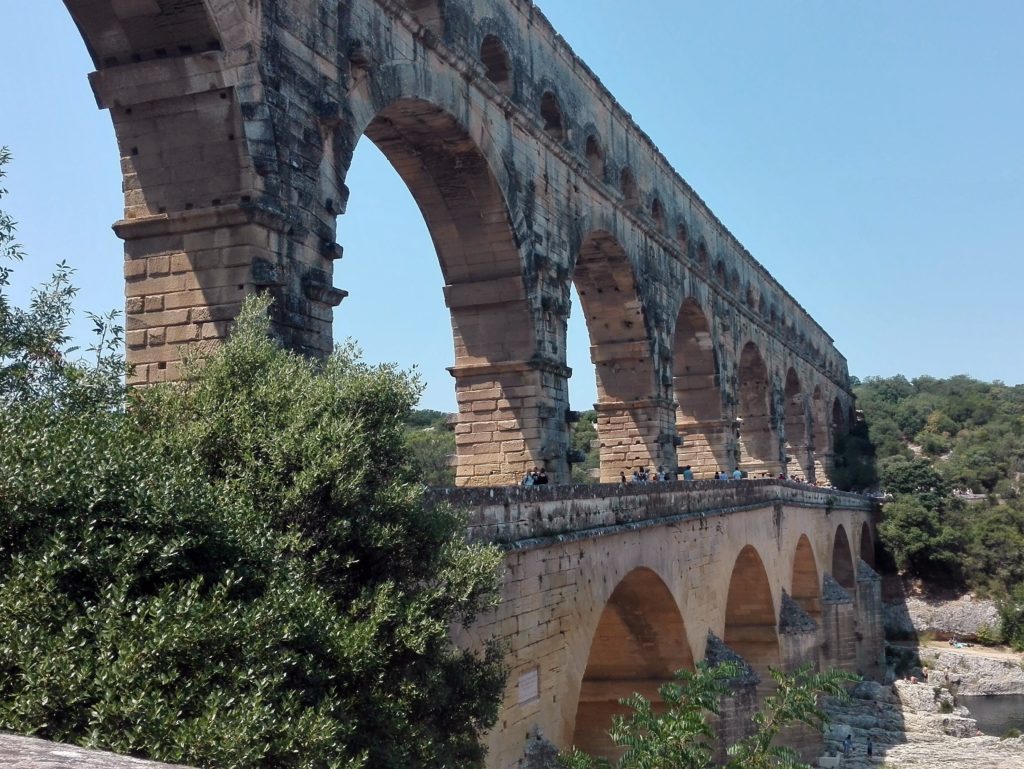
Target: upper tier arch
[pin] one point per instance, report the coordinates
(236, 123)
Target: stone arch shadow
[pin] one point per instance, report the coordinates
(638, 643)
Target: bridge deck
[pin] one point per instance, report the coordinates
(520, 517)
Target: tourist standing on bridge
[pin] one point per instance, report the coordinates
(737, 474)
(688, 473)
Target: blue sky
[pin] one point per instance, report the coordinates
(869, 154)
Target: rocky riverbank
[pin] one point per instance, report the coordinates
(974, 671)
(907, 615)
(912, 726)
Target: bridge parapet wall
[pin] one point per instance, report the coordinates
(524, 517)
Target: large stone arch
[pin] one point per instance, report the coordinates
(235, 139)
(469, 223)
(630, 415)
(639, 643)
(843, 568)
(797, 448)
(806, 579)
(837, 421)
(705, 433)
(759, 449)
(822, 440)
(750, 615)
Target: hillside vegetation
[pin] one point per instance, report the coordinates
(951, 454)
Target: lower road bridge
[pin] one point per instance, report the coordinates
(610, 589)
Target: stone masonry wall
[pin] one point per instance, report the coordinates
(237, 121)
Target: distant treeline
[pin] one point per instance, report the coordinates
(951, 454)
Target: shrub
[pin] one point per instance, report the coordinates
(236, 571)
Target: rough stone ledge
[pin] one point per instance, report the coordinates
(30, 753)
(516, 514)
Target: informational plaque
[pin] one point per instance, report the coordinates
(529, 686)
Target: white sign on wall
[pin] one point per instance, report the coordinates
(529, 686)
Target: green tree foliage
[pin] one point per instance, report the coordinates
(935, 436)
(1011, 616)
(583, 435)
(918, 539)
(220, 574)
(680, 735)
(432, 446)
(854, 460)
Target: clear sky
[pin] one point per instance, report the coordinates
(869, 154)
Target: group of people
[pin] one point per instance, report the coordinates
(642, 475)
(869, 748)
(538, 476)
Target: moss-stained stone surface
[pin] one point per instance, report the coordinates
(237, 121)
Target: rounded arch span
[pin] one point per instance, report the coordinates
(496, 63)
(796, 428)
(595, 155)
(806, 584)
(867, 545)
(842, 561)
(820, 422)
(627, 185)
(759, 451)
(838, 422)
(695, 383)
(551, 113)
(620, 350)
(639, 643)
(750, 616)
(468, 219)
(465, 210)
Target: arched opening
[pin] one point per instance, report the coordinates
(683, 238)
(806, 586)
(627, 184)
(842, 561)
(758, 447)
(836, 423)
(497, 66)
(750, 616)
(796, 429)
(751, 298)
(867, 545)
(428, 12)
(621, 354)
(720, 272)
(639, 644)
(702, 254)
(820, 423)
(705, 436)
(658, 215)
(551, 114)
(595, 156)
(466, 216)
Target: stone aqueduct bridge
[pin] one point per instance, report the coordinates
(237, 121)
(608, 590)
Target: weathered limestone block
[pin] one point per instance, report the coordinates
(737, 709)
(799, 643)
(838, 624)
(870, 621)
(30, 753)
